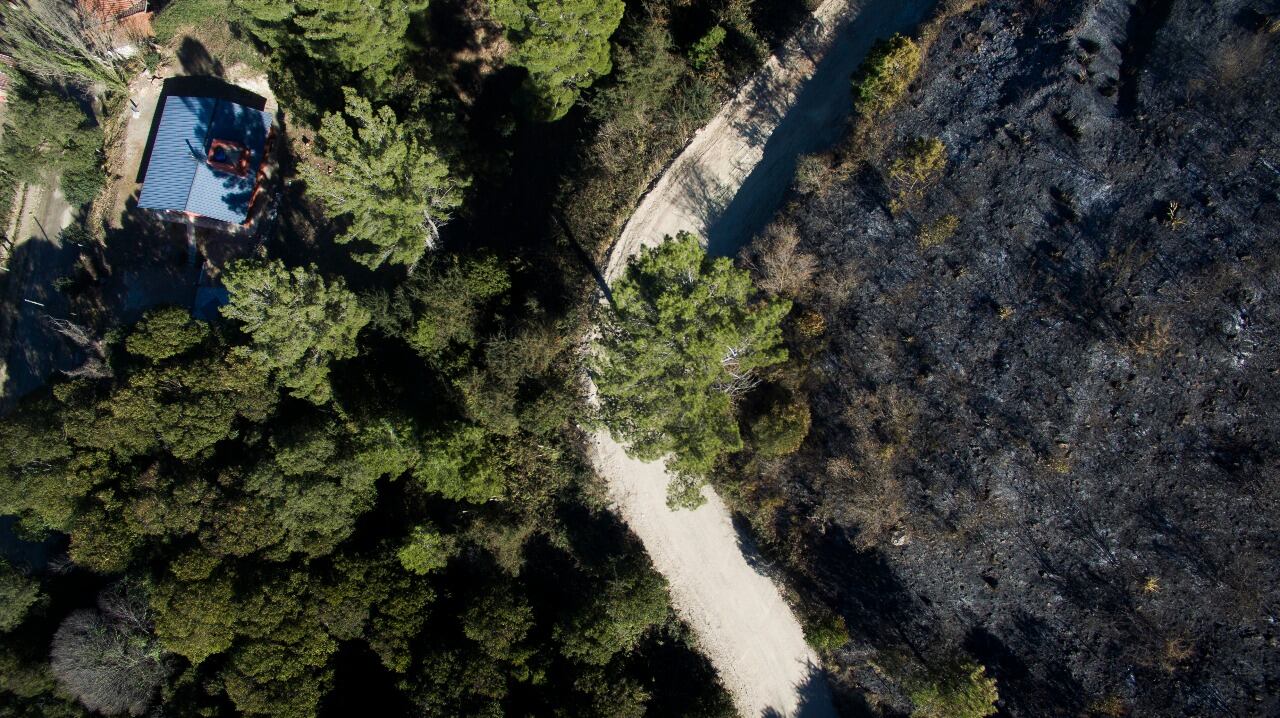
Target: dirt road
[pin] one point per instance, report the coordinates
(725, 186)
(731, 178)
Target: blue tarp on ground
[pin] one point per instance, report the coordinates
(178, 176)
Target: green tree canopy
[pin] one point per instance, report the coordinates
(463, 464)
(385, 177)
(165, 333)
(47, 134)
(564, 44)
(615, 619)
(299, 323)
(364, 40)
(427, 550)
(685, 336)
(18, 595)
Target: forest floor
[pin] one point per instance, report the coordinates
(718, 583)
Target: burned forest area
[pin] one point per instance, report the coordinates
(1044, 429)
(625, 358)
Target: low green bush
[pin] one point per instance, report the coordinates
(885, 74)
(938, 231)
(913, 171)
(782, 429)
(826, 633)
(962, 690)
(704, 50)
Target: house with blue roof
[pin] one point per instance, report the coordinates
(206, 160)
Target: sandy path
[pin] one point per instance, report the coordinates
(743, 625)
(725, 185)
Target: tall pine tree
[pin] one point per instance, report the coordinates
(383, 175)
(564, 44)
(364, 40)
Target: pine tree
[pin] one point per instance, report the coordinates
(564, 44)
(299, 323)
(394, 187)
(363, 39)
(684, 339)
(60, 41)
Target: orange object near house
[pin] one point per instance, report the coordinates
(129, 17)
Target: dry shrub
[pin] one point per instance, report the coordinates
(938, 231)
(780, 266)
(866, 484)
(813, 174)
(810, 324)
(110, 659)
(915, 169)
(1176, 653)
(1112, 706)
(1153, 338)
(1237, 61)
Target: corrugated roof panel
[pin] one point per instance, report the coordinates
(178, 176)
(176, 153)
(220, 195)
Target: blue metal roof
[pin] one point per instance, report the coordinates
(178, 176)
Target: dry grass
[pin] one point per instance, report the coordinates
(938, 231)
(883, 426)
(1112, 706)
(1153, 338)
(1236, 61)
(1177, 651)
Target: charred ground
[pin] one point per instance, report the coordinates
(1048, 440)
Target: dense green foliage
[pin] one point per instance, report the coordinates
(240, 514)
(564, 44)
(685, 337)
(18, 595)
(47, 134)
(356, 486)
(354, 40)
(704, 50)
(960, 691)
(781, 429)
(385, 177)
(885, 74)
(166, 333)
(299, 323)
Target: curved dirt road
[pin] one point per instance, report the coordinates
(731, 178)
(725, 185)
